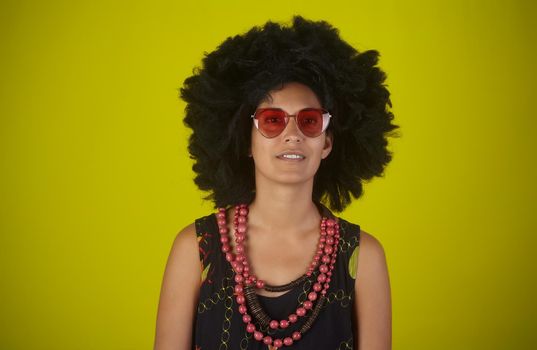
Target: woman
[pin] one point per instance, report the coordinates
(284, 119)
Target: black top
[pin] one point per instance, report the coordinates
(219, 324)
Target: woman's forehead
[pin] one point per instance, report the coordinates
(294, 96)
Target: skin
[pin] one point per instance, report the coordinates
(282, 215)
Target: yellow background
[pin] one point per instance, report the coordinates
(96, 179)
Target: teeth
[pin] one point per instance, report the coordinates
(292, 156)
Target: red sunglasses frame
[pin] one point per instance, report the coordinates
(325, 114)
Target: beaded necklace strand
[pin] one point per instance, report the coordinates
(246, 282)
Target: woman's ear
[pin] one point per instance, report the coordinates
(328, 141)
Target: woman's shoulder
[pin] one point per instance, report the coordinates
(371, 242)
(371, 262)
(204, 223)
(355, 235)
(189, 236)
(364, 250)
(185, 240)
(350, 232)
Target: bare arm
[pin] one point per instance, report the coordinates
(373, 297)
(179, 293)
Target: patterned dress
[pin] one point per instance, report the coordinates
(219, 324)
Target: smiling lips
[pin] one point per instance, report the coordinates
(292, 156)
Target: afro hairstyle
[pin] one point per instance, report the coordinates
(234, 79)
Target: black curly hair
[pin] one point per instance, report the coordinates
(241, 72)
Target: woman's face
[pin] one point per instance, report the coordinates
(267, 152)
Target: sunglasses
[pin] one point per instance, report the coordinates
(270, 122)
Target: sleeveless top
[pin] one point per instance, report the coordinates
(219, 325)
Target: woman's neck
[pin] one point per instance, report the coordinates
(284, 209)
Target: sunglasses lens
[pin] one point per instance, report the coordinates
(310, 122)
(271, 122)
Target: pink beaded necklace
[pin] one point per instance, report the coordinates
(246, 281)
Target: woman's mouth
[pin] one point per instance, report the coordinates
(292, 157)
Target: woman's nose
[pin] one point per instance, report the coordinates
(292, 132)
